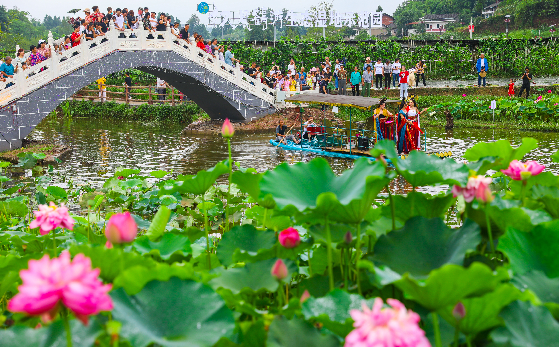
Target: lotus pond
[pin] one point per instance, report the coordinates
(169, 241)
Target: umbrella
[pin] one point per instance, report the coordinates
(76, 10)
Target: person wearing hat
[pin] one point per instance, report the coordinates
(89, 18)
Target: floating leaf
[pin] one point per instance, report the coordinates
(421, 169)
(423, 245)
(450, 284)
(126, 172)
(57, 192)
(333, 310)
(166, 313)
(164, 248)
(297, 332)
(534, 250)
(243, 243)
(195, 184)
(159, 174)
(526, 325)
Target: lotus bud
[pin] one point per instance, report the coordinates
(459, 311)
(306, 295)
(279, 270)
(227, 129)
(348, 237)
(121, 228)
(289, 238)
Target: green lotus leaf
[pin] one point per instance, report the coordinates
(273, 221)
(165, 247)
(249, 182)
(333, 310)
(482, 312)
(385, 147)
(501, 149)
(195, 184)
(421, 169)
(243, 243)
(135, 278)
(506, 213)
(555, 157)
(173, 313)
(337, 232)
(549, 196)
(526, 325)
(253, 277)
(545, 288)
(297, 332)
(450, 284)
(57, 192)
(112, 261)
(53, 335)
(14, 208)
(126, 172)
(418, 204)
(313, 187)
(423, 245)
(159, 173)
(534, 250)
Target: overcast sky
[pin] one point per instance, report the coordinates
(184, 9)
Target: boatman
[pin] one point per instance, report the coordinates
(281, 131)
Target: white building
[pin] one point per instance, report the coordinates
(489, 11)
(436, 23)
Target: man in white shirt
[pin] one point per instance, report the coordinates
(119, 20)
(336, 69)
(379, 71)
(396, 66)
(153, 21)
(161, 89)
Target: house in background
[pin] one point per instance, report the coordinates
(489, 11)
(436, 23)
(387, 20)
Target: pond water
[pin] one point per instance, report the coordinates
(100, 146)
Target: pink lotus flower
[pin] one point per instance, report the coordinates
(51, 217)
(121, 228)
(227, 129)
(539, 98)
(306, 295)
(463, 94)
(477, 187)
(120, 178)
(48, 282)
(279, 270)
(388, 327)
(549, 91)
(289, 238)
(108, 245)
(459, 311)
(519, 171)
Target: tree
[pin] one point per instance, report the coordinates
(379, 8)
(197, 27)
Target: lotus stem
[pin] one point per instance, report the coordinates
(438, 342)
(68, 330)
(230, 166)
(265, 217)
(53, 244)
(358, 257)
(469, 341)
(392, 208)
(456, 336)
(329, 249)
(489, 233)
(207, 230)
(522, 193)
(280, 295)
(309, 260)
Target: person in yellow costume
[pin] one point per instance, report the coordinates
(102, 89)
(383, 122)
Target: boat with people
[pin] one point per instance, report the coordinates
(354, 140)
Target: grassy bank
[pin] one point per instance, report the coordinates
(184, 113)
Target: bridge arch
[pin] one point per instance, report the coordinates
(220, 90)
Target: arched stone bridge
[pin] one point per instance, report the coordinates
(220, 90)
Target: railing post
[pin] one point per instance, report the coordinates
(142, 36)
(21, 82)
(113, 36)
(149, 96)
(168, 38)
(53, 57)
(172, 95)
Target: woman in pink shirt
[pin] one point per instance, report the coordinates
(286, 84)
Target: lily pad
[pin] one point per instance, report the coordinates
(172, 313)
(195, 184)
(423, 245)
(314, 187)
(253, 277)
(333, 310)
(297, 332)
(526, 325)
(421, 169)
(534, 250)
(164, 248)
(450, 284)
(244, 243)
(482, 312)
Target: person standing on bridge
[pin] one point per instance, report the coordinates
(7, 70)
(35, 57)
(230, 57)
(184, 33)
(76, 36)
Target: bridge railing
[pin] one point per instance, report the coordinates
(89, 51)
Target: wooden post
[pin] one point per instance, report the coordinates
(149, 95)
(173, 96)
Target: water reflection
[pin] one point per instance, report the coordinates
(100, 146)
